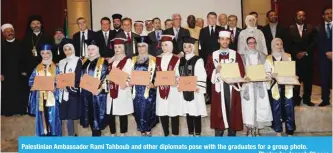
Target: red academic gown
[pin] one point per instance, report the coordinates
(217, 117)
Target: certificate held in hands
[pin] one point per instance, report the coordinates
(43, 83)
(187, 83)
(89, 83)
(256, 73)
(286, 72)
(65, 80)
(230, 73)
(165, 78)
(140, 78)
(118, 76)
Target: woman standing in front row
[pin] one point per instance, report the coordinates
(144, 97)
(70, 109)
(94, 105)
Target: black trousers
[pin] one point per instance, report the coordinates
(174, 125)
(193, 124)
(123, 119)
(219, 133)
(91, 120)
(304, 69)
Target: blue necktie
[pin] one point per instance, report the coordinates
(158, 35)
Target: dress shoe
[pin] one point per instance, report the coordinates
(323, 104)
(309, 103)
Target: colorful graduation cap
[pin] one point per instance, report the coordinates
(119, 41)
(225, 33)
(188, 39)
(44, 47)
(166, 38)
(138, 22)
(117, 16)
(143, 39)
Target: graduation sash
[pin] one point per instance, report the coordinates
(186, 68)
(114, 87)
(45, 95)
(275, 88)
(164, 90)
(151, 69)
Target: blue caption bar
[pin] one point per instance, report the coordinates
(175, 144)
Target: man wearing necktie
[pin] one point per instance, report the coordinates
(104, 36)
(154, 36)
(80, 38)
(127, 34)
(324, 44)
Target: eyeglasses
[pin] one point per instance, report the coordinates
(252, 43)
(141, 46)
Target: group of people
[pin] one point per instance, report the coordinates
(192, 51)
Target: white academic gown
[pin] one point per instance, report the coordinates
(173, 105)
(256, 113)
(197, 107)
(123, 104)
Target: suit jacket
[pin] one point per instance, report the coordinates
(155, 47)
(233, 45)
(77, 40)
(208, 42)
(297, 44)
(129, 45)
(177, 43)
(116, 32)
(323, 43)
(280, 33)
(106, 50)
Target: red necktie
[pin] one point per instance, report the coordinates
(128, 37)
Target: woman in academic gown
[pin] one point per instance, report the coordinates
(282, 102)
(195, 105)
(94, 106)
(144, 97)
(168, 103)
(70, 96)
(45, 104)
(119, 99)
(256, 108)
(251, 31)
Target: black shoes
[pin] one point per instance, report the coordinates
(323, 104)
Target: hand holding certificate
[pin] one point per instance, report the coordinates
(43, 83)
(65, 80)
(286, 72)
(165, 78)
(230, 73)
(118, 76)
(187, 83)
(90, 83)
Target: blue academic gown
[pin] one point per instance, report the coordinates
(94, 106)
(52, 118)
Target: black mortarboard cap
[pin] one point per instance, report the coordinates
(117, 16)
(188, 39)
(90, 42)
(143, 39)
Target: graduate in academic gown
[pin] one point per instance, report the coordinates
(256, 108)
(11, 73)
(70, 105)
(282, 95)
(45, 104)
(226, 109)
(94, 106)
(168, 103)
(144, 97)
(195, 105)
(119, 100)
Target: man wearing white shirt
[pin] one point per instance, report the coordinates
(104, 37)
(232, 27)
(154, 36)
(223, 20)
(129, 36)
(80, 38)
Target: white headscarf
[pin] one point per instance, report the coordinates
(189, 55)
(247, 22)
(91, 58)
(70, 60)
(278, 54)
(49, 61)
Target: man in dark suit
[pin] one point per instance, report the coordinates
(179, 32)
(116, 19)
(127, 34)
(155, 47)
(272, 30)
(80, 38)
(232, 27)
(255, 14)
(301, 46)
(104, 37)
(324, 44)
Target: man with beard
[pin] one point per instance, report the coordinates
(117, 23)
(31, 43)
(272, 29)
(155, 47)
(11, 76)
(57, 48)
(301, 46)
(194, 32)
